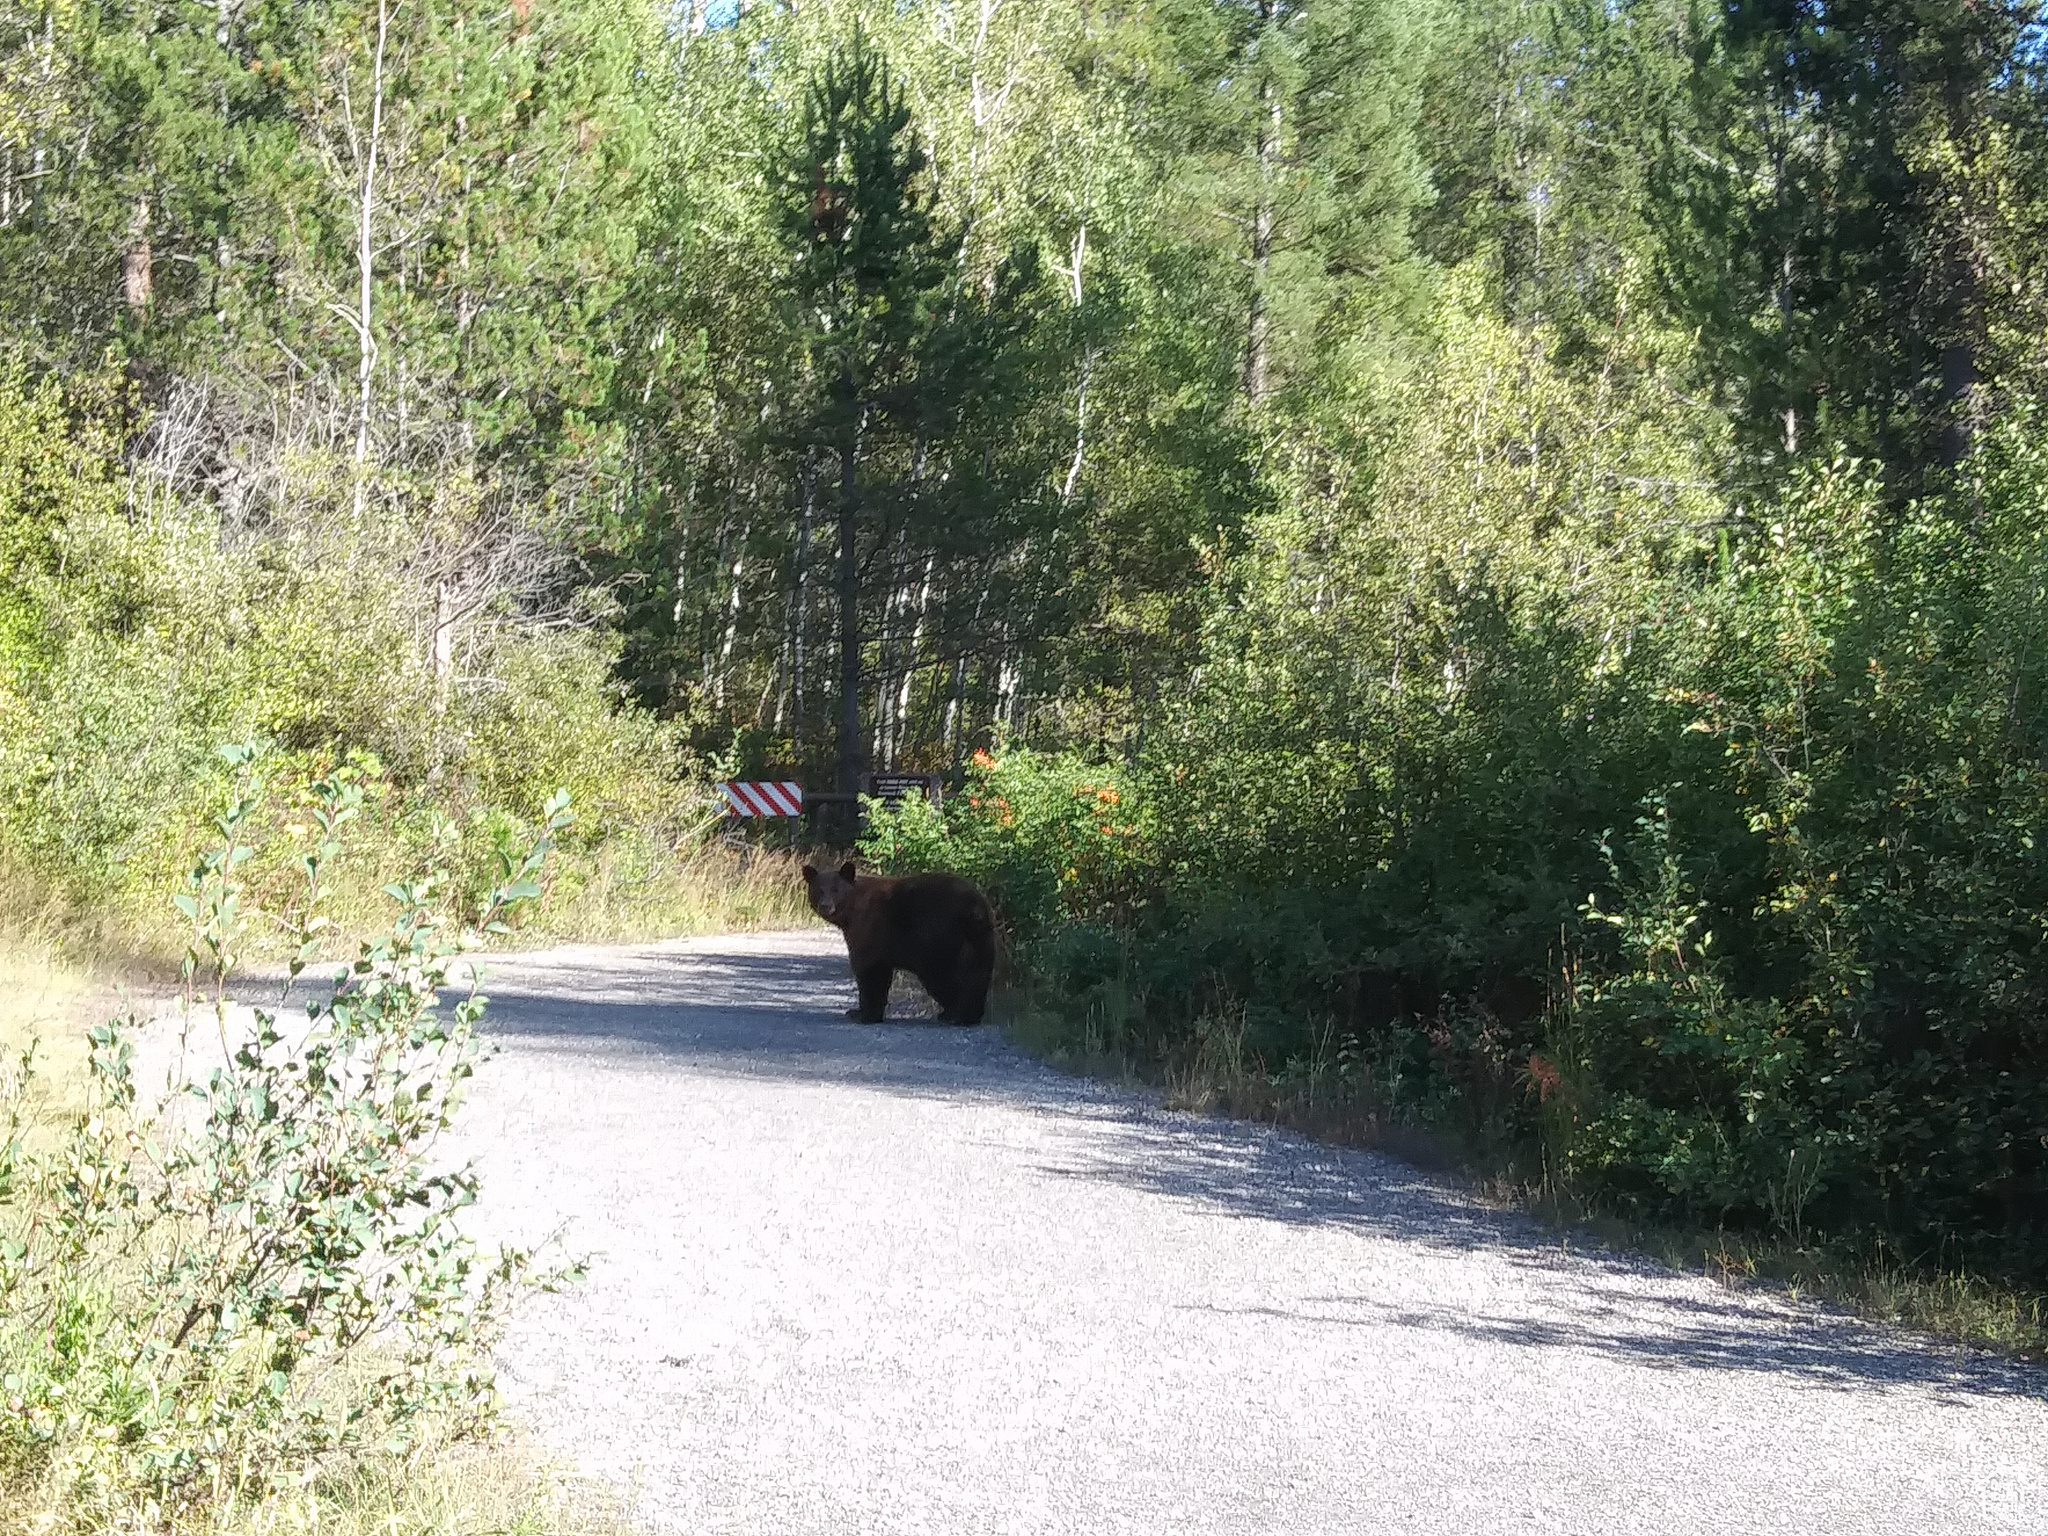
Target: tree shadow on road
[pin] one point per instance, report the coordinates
(762, 1015)
(776, 1016)
(1672, 1333)
(1601, 1303)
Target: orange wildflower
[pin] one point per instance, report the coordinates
(1544, 1074)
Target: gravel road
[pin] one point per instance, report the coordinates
(899, 1278)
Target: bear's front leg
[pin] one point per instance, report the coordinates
(874, 984)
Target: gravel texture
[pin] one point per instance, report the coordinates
(899, 1278)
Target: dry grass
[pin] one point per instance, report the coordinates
(618, 895)
(501, 1487)
(714, 889)
(60, 972)
(63, 964)
(42, 998)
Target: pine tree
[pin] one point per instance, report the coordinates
(123, 194)
(867, 267)
(1294, 123)
(1832, 239)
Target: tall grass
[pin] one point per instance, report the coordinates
(59, 952)
(503, 1486)
(628, 891)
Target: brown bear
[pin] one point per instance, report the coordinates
(938, 927)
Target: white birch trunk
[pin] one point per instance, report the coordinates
(366, 252)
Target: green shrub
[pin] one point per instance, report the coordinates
(1053, 839)
(206, 1300)
(132, 638)
(1715, 900)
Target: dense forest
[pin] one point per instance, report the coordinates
(1495, 545)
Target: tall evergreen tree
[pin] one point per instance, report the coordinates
(1294, 125)
(866, 270)
(1533, 126)
(124, 194)
(1832, 240)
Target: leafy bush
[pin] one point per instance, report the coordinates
(1050, 837)
(1695, 863)
(208, 1298)
(135, 633)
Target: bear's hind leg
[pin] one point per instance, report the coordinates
(873, 984)
(963, 992)
(969, 999)
(942, 992)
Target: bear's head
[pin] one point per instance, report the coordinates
(830, 890)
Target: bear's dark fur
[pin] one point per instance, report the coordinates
(937, 927)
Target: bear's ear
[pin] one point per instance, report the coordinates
(846, 871)
(810, 875)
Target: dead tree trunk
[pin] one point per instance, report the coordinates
(1258, 337)
(366, 359)
(138, 276)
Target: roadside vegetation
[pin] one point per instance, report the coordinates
(1636, 1096)
(235, 1290)
(1470, 567)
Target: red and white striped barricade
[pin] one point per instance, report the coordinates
(752, 797)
